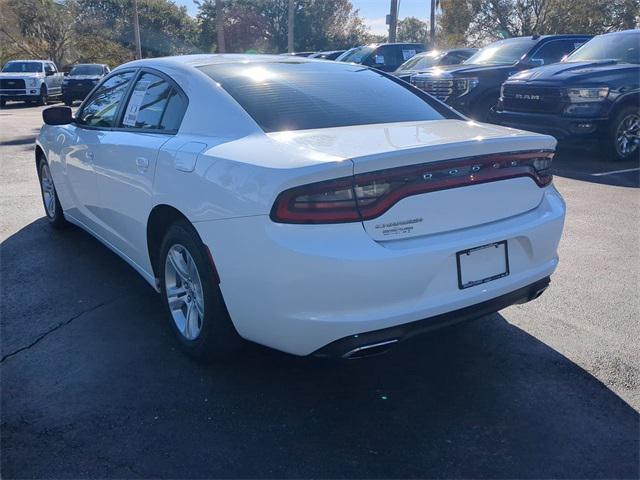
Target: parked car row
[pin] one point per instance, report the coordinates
(39, 81)
(573, 87)
(570, 86)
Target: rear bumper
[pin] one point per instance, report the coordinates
(562, 128)
(298, 288)
(364, 344)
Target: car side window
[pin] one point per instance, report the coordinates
(48, 68)
(154, 104)
(173, 113)
(552, 52)
(101, 109)
(386, 57)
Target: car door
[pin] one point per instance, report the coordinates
(126, 162)
(52, 79)
(95, 118)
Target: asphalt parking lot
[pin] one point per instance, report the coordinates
(93, 385)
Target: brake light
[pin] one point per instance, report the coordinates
(369, 195)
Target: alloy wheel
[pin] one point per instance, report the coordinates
(184, 292)
(628, 135)
(48, 191)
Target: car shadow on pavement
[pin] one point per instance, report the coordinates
(94, 386)
(587, 163)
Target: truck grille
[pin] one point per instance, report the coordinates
(442, 89)
(524, 98)
(11, 84)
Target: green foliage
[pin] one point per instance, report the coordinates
(261, 25)
(101, 31)
(412, 29)
(528, 17)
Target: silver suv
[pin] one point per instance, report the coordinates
(30, 81)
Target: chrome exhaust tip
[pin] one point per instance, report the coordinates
(369, 350)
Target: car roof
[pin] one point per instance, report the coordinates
(189, 62)
(623, 32)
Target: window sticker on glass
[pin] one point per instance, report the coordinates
(131, 115)
(407, 54)
(380, 59)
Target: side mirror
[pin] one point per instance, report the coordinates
(536, 62)
(57, 116)
(48, 73)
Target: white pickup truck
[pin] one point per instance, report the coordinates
(30, 81)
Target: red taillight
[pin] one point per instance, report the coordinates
(369, 195)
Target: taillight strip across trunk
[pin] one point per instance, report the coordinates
(368, 195)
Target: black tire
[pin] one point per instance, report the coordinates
(54, 214)
(43, 99)
(217, 338)
(613, 149)
(483, 111)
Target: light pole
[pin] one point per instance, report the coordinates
(432, 33)
(136, 29)
(393, 20)
(290, 26)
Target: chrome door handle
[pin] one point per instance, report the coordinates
(142, 164)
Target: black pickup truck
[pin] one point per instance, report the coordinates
(592, 94)
(474, 86)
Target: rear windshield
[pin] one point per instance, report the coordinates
(87, 70)
(22, 67)
(306, 95)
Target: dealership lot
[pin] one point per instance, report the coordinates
(93, 386)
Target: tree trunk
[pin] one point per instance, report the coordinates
(220, 26)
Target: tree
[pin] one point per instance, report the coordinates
(453, 22)
(36, 28)
(262, 25)
(499, 18)
(412, 29)
(165, 28)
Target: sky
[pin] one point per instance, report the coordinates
(372, 11)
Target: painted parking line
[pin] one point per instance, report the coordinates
(613, 172)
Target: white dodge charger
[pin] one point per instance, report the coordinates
(314, 207)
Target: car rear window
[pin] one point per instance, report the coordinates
(307, 95)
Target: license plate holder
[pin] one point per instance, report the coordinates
(482, 264)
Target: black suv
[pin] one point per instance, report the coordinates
(594, 93)
(81, 80)
(474, 87)
(382, 56)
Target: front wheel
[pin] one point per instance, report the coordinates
(623, 140)
(52, 207)
(43, 99)
(194, 303)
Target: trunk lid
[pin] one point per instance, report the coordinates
(448, 149)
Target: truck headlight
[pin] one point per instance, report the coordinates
(578, 95)
(31, 82)
(465, 85)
